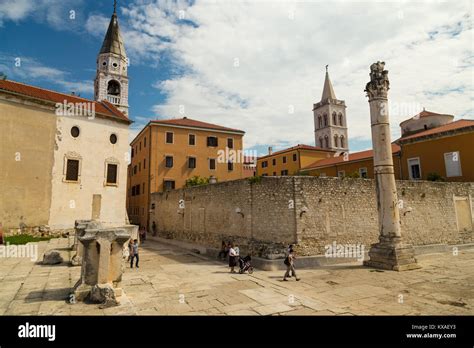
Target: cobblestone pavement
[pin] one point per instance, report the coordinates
(172, 281)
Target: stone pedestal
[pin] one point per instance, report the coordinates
(101, 270)
(80, 227)
(391, 255)
(390, 252)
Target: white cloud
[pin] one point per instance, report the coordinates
(29, 69)
(57, 13)
(281, 48)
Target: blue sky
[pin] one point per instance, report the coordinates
(247, 64)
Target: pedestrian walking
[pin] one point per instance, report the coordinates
(290, 247)
(142, 234)
(290, 265)
(233, 258)
(153, 228)
(134, 253)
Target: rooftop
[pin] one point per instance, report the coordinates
(297, 147)
(188, 122)
(452, 126)
(356, 156)
(17, 88)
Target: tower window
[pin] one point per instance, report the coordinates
(320, 142)
(325, 120)
(113, 88)
(334, 118)
(326, 141)
(343, 141)
(320, 122)
(341, 123)
(335, 141)
(104, 63)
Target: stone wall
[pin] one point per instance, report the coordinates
(313, 212)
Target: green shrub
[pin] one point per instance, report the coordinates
(21, 239)
(354, 175)
(434, 177)
(197, 181)
(255, 179)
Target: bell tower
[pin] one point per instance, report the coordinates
(111, 80)
(330, 124)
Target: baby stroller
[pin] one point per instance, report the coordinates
(245, 265)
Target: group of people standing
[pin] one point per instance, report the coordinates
(232, 251)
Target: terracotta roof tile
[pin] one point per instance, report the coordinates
(188, 122)
(356, 156)
(105, 108)
(425, 113)
(444, 128)
(297, 147)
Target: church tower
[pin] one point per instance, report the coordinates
(111, 81)
(330, 122)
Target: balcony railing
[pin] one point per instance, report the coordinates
(113, 99)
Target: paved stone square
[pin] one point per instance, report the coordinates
(173, 281)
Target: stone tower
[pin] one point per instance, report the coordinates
(330, 124)
(111, 81)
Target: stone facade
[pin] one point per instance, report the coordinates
(263, 217)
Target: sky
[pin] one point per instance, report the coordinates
(258, 66)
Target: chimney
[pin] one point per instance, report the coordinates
(270, 150)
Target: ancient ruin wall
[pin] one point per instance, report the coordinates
(262, 217)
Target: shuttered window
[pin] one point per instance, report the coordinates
(452, 163)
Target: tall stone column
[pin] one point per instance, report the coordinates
(390, 252)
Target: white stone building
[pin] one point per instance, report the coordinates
(65, 157)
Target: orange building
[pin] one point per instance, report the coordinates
(168, 152)
(432, 147)
(290, 161)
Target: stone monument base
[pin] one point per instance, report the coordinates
(394, 257)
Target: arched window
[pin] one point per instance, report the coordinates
(340, 120)
(113, 88)
(343, 141)
(320, 142)
(320, 122)
(334, 119)
(335, 141)
(326, 141)
(325, 116)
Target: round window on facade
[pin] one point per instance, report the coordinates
(104, 63)
(115, 65)
(113, 138)
(75, 131)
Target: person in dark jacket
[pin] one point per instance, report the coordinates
(290, 266)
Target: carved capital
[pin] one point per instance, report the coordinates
(379, 85)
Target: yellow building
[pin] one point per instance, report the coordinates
(168, 152)
(446, 151)
(432, 147)
(290, 161)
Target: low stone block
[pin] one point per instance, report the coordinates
(52, 257)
